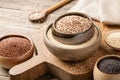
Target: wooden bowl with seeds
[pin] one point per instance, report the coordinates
(107, 68)
(69, 52)
(112, 38)
(15, 49)
(73, 28)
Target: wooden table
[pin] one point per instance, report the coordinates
(14, 20)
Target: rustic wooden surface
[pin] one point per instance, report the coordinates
(14, 20)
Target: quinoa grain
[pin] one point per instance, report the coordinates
(73, 24)
(14, 46)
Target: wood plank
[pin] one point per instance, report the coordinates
(4, 78)
(27, 5)
(18, 4)
(4, 74)
(16, 18)
(6, 29)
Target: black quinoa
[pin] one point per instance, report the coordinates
(110, 65)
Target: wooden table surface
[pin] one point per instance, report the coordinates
(14, 20)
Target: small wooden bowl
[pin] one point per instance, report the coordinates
(72, 52)
(107, 35)
(99, 75)
(75, 38)
(8, 62)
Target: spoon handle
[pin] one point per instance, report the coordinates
(56, 6)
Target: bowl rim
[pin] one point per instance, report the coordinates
(49, 42)
(59, 33)
(25, 54)
(103, 57)
(107, 34)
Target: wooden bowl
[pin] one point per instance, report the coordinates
(73, 38)
(99, 75)
(72, 52)
(8, 62)
(109, 43)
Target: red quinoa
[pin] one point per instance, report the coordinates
(14, 46)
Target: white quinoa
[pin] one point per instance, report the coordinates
(113, 39)
(73, 24)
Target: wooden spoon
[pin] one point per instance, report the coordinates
(41, 15)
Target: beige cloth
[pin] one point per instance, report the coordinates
(106, 11)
